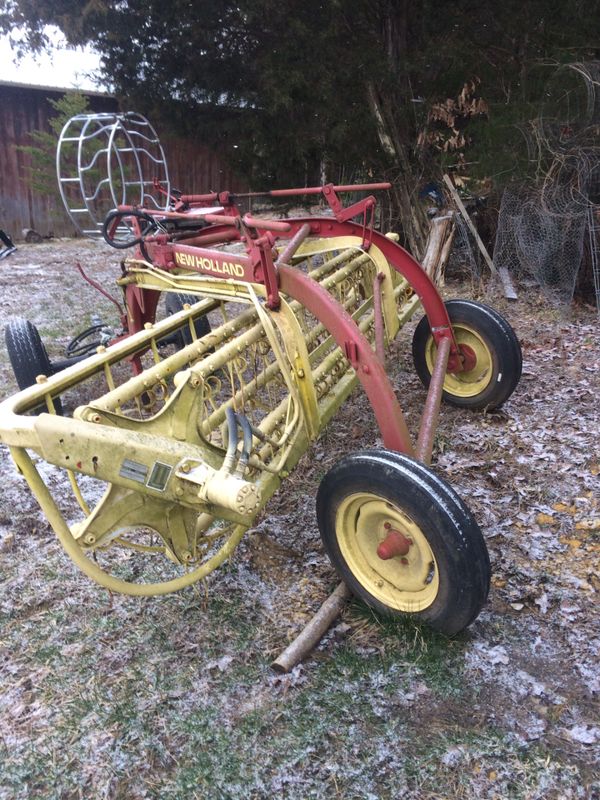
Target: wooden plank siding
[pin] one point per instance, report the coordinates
(193, 167)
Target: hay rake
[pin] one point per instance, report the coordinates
(190, 447)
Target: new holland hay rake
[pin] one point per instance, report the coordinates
(189, 449)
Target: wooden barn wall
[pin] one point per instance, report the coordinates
(193, 167)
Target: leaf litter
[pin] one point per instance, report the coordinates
(117, 697)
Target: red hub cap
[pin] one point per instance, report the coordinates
(469, 357)
(394, 544)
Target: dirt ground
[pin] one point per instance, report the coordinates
(173, 697)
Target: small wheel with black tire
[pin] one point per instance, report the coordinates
(402, 540)
(28, 356)
(174, 302)
(491, 352)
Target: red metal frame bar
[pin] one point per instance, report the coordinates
(357, 187)
(378, 311)
(356, 346)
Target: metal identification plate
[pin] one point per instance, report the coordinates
(133, 471)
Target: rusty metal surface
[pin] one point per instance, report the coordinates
(379, 325)
(24, 109)
(432, 404)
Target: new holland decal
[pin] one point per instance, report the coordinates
(208, 264)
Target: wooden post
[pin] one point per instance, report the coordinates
(437, 250)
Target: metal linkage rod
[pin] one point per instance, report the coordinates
(432, 404)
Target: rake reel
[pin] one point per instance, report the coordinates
(170, 465)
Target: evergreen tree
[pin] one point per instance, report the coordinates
(291, 91)
(41, 171)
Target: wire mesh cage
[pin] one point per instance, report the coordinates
(545, 228)
(107, 160)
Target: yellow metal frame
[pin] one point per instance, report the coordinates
(164, 470)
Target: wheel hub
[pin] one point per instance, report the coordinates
(476, 371)
(387, 552)
(394, 544)
(469, 358)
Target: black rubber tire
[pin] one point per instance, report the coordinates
(499, 338)
(28, 356)
(174, 302)
(444, 522)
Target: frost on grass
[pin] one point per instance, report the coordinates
(116, 697)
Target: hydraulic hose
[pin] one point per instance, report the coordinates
(247, 446)
(229, 460)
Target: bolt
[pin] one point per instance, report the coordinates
(148, 325)
(178, 491)
(89, 538)
(41, 379)
(379, 584)
(96, 418)
(300, 373)
(185, 467)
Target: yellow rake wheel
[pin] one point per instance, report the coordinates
(402, 539)
(491, 353)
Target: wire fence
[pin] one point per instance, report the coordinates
(545, 227)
